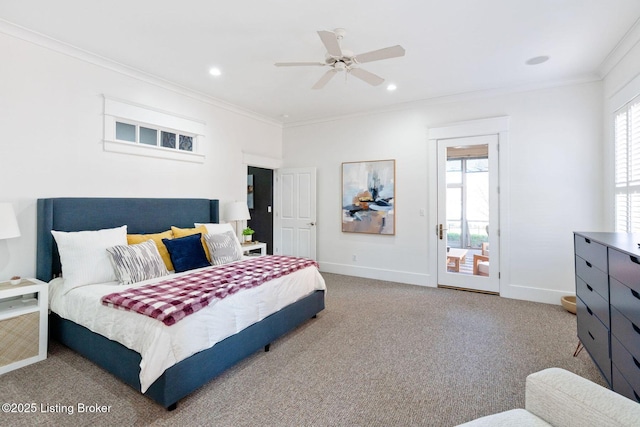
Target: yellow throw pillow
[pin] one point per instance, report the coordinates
(133, 239)
(184, 232)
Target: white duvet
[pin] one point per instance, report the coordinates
(163, 346)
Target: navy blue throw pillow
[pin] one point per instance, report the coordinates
(186, 253)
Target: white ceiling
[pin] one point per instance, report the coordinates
(452, 47)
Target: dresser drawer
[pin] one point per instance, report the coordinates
(595, 338)
(621, 386)
(593, 277)
(626, 331)
(625, 268)
(628, 365)
(593, 252)
(593, 300)
(626, 300)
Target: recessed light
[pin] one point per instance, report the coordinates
(537, 60)
(391, 87)
(215, 71)
(285, 116)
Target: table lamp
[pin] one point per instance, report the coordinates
(8, 222)
(237, 211)
(9, 228)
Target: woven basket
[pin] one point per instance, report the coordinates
(569, 303)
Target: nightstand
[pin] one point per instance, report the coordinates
(23, 323)
(247, 248)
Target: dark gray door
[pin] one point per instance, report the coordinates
(262, 212)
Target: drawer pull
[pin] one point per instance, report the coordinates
(636, 362)
(587, 240)
(589, 311)
(590, 288)
(635, 294)
(592, 337)
(588, 264)
(634, 259)
(635, 328)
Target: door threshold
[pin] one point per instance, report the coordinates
(457, 288)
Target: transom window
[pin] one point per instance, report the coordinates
(131, 128)
(148, 135)
(627, 167)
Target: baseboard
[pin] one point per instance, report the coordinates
(529, 293)
(521, 292)
(376, 273)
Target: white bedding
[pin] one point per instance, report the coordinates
(162, 346)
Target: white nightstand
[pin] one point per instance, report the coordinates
(254, 246)
(23, 323)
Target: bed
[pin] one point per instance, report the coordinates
(145, 216)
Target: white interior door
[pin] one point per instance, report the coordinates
(295, 212)
(468, 213)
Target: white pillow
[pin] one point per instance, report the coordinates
(138, 262)
(216, 228)
(219, 229)
(84, 257)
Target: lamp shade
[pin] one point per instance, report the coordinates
(8, 222)
(237, 211)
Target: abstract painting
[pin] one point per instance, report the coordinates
(250, 191)
(368, 197)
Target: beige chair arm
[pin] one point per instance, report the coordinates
(562, 398)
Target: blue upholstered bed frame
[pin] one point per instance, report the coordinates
(152, 216)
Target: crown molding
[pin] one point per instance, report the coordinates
(622, 49)
(58, 46)
(449, 98)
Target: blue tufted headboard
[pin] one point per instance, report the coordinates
(141, 216)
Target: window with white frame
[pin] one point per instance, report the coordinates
(153, 136)
(627, 167)
(135, 129)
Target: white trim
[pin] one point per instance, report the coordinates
(116, 110)
(151, 151)
(154, 116)
(488, 126)
(449, 98)
(624, 95)
(621, 50)
(261, 161)
(377, 273)
(50, 43)
(529, 293)
(617, 100)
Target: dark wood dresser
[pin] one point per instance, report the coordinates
(607, 269)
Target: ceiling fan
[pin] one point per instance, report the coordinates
(338, 59)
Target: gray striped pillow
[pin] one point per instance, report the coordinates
(223, 247)
(135, 263)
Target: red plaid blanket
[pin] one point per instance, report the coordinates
(173, 299)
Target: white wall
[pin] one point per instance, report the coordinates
(554, 173)
(51, 146)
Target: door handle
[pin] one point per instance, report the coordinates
(440, 231)
(311, 224)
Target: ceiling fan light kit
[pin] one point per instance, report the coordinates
(339, 59)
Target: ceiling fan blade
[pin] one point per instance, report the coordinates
(324, 79)
(366, 76)
(377, 55)
(330, 41)
(298, 64)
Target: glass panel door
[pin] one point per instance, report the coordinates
(467, 212)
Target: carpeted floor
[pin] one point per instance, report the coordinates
(380, 354)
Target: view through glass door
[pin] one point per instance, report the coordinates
(468, 213)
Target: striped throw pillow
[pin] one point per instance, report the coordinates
(223, 247)
(135, 263)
